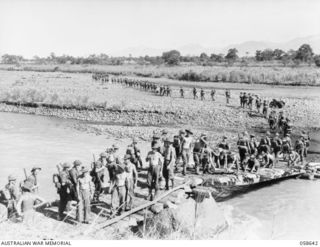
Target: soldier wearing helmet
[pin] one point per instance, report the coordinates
(155, 160)
(11, 194)
(135, 154)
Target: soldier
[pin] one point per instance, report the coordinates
(228, 95)
(103, 159)
(163, 90)
(115, 153)
(281, 120)
(63, 185)
(33, 178)
(276, 144)
(135, 154)
(245, 100)
(195, 96)
(168, 91)
(169, 156)
(268, 138)
(266, 160)
(272, 120)
(26, 203)
(223, 144)
(206, 157)
(213, 93)
(265, 144)
(293, 158)
(258, 104)
(85, 191)
(112, 161)
(186, 149)
(306, 140)
(287, 127)
(131, 181)
(250, 101)
(155, 160)
(222, 161)
(118, 188)
(197, 151)
(253, 145)
(74, 175)
(265, 108)
(181, 92)
(97, 175)
(300, 146)
(202, 94)
(241, 99)
(164, 135)
(252, 164)
(156, 140)
(286, 146)
(11, 194)
(243, 147)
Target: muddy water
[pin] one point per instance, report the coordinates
(288, 210)
(28, 140)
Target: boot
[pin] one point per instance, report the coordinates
(172, 182)
(197, 170)
(155, 194)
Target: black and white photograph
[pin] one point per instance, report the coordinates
(159, 120)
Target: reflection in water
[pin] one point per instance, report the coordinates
(287, 210)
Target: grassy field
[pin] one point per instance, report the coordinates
(251, 75)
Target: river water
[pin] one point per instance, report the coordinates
(287, 210)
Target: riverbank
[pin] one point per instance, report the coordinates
(118, 111)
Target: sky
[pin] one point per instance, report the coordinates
(83, 27)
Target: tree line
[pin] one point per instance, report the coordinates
(304, 54)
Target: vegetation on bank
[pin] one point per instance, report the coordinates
(277, 67)
(303, 55)
(309, 76)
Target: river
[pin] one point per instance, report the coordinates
(287, 210)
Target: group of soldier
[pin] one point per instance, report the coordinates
(158, 89)
(83, 185)
(21, 198)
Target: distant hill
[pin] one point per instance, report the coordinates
(252, 46)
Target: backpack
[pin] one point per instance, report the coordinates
(5, 193)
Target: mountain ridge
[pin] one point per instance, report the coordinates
(244, 48)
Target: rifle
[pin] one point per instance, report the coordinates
(25, 173)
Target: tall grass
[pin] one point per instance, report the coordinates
(260, 75)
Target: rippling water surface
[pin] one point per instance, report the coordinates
(287, 210)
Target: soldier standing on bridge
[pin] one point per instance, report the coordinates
(135, 154)
(131, 181)
(74, 174)
(155, 160)
(85, 190)
(169, 155)
(186, 150)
